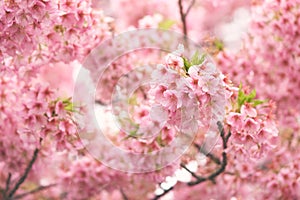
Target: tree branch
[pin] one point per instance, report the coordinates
(163, 194)
(222, 168)
(207, 154)
(24, 176)
(189, 8)
(101, 103)
(40, 188)
(8, 182)
(123, 194)
(5, 191)
(183, 15)
(213, 175)
(192, 173)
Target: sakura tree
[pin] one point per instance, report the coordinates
(178, 99)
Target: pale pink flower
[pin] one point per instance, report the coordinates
(174, 62)
(251, 126)
(248, 110)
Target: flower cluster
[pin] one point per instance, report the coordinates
(32, 118)
(253, 127)
(39, 32)
(90, 176)
(132, 14)
(274, 66)
(254, 138)
(185, 96)
(190, 91)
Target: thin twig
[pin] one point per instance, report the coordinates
(123, 194)
(8, 182)
(228, 135)
(5, 191)
(40, 188)
(23, 178)
(189, 8)
(192, 173)
(213, 175)
(222, 168)
(163, 194)
(101, 103)
(207, 154)
(143, 92)
(183, 15)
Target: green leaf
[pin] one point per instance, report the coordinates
(132, 100)
(248, 98)
(202, 59)
(133, 133)
(186, 63)
(159, 140)
(252, 94)
(166, 24)
(241, 97)
(196, 59)
(70, 107)
(219, 44)
(68, 104)
(257, 102)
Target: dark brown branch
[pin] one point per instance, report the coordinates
(222, 168)
(213, 175)
(190, 7)
(224, 138)
(207, 154)
(24, 176)
(123, 194)
(227, 137)
(5, 191)
(8, 182)
(183, 15)
(101, 103)
(192, 173)
(33, 191)
(163, 194)
(143, 92)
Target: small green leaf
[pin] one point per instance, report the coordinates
(247, 98)
(132, 100)
(252, 94)
(160, 141)
(186, 63)
(257, 102)
(241, 96)
(219, 44)
(166, 24)
(196, 59)
(69, 107)
(133, 133)
(68, 104)
(202, 59)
